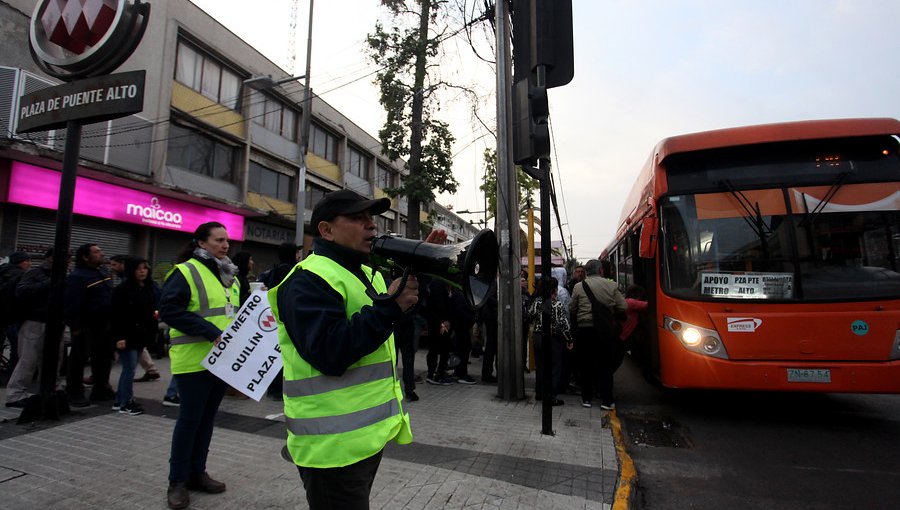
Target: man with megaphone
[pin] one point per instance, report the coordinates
(342, 396)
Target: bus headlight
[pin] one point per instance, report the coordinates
(696, 339)
(691, 337)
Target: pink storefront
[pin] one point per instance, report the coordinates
(120, 219)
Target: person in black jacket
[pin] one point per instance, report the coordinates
(86, 309)
(440, 317)
(288, 255)
(134, 326)
(244, 262)
(33, 294)
(10, 313)
(462, 322)
(487, 316)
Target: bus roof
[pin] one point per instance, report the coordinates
(649, 183)
(785, 131)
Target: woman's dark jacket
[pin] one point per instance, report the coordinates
(133, 314)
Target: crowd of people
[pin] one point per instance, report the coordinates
(343, 327)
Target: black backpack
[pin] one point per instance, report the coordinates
(604, 320)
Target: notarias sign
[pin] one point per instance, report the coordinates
(92, 100)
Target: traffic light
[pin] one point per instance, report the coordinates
(531, 132)
(542, 36)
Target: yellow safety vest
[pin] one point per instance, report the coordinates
(337, 421)
(208, 300)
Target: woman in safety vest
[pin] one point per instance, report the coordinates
(199, 300)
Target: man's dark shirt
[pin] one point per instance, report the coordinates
(87, 297)
(315, 316)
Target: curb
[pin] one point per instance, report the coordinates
(627, 474)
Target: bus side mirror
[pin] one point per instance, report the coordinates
(647, 246)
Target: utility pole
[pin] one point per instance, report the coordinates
(511, 379)
(543, 59)
(304, 141)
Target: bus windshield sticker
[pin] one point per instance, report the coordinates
(747, 285)
(743, 324)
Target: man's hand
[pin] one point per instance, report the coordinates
(410, 294)
(438, 236)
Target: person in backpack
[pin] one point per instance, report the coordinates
(10, 311)
(33, 293)
(595, 344)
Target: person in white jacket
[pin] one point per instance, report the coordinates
(562, 294)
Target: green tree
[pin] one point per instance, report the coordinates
(527, 186)
(405, 50)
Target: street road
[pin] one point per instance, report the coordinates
(752, 450)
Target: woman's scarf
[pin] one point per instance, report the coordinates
(227, 270)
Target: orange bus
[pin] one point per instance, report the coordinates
(771, 257)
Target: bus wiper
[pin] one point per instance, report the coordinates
(751, 210)
(832, 191)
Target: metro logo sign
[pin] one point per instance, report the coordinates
(74, 39)
(78, 24)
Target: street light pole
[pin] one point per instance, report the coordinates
(304, 142)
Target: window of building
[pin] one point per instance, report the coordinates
(385, 224)
(270, 183)
(322, 143)
(387, 178)
(358, 163)
(204, 74)
(274, 115)
(200, 153)
(314, 193)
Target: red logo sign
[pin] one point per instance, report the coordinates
(77, 25)
(267, 321)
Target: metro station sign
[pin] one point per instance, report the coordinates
(91, 100)
(72, 39)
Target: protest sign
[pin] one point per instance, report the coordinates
(247, 355)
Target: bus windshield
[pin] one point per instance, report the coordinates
(808, 243)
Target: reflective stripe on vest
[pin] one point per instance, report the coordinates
(323, 383)
(344, 422)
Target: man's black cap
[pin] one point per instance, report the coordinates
(17, 257)
(345, 202)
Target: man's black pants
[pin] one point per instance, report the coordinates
(341, 488)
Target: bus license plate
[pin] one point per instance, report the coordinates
(813, 375)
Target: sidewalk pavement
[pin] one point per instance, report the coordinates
(470, 450)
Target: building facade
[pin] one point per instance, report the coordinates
(217, 139)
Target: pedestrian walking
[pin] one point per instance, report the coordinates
(134, 327)
(87, 301)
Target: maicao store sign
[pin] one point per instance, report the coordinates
(39, 187)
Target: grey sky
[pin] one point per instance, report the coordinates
(644, 70)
